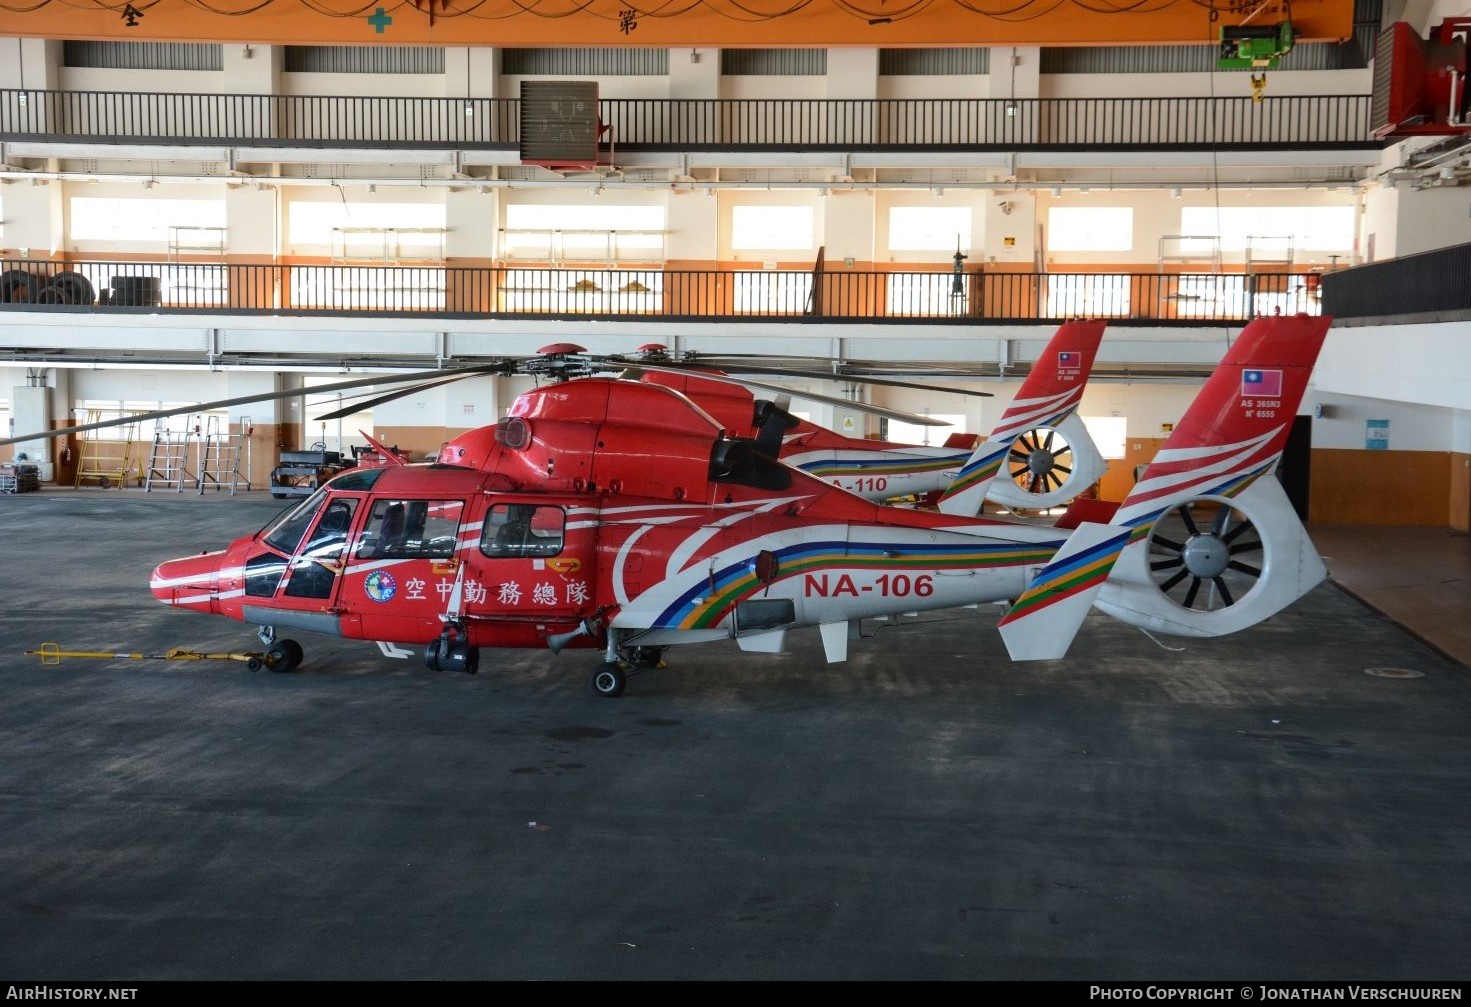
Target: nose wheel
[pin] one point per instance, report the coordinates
(608, 679)
(280, 655)
(284, 655)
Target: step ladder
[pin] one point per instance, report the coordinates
(221, 453)
(168, 462)
(106, 461)
(1268, 269)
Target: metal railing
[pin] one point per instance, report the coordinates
(847, 125)
(653, 293)
(1428, 284)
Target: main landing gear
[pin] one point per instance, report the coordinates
(280, 655)
(452, 651)
(610, 678)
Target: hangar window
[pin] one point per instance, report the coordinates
(757, 228)
(929, 228)
(1091, 229)
(608, 232)
(141, 219)
(319, 225)
(772, 292)
(899, 432)
(1088, 295)
(924, 294)
(1310, 229)
(1109, 433)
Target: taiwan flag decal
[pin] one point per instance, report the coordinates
(1261, 382)
(1069, 360)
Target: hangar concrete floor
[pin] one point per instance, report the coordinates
(1290, 803)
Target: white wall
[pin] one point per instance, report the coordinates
(1344, 424)
(1428, 364)
(1429, 218)
(847, 225)
(1220, 84)
(472, 402)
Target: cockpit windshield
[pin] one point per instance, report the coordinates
(287, 533)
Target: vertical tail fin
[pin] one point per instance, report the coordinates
(1202, 546)
(1062, 460)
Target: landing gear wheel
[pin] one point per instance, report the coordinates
(472, 661)
(452, 652)
(608, 680)
(284, 656)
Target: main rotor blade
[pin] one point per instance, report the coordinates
(835, 400)
(388, 397)
(240, 400)
(701, 363)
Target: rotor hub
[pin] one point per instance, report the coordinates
(1041, 461)
(1206, 556)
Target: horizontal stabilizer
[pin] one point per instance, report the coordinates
(767, 641)
(1087, 509)
(1041, 624)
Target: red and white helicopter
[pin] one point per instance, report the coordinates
(1040, 448)
(617, 515)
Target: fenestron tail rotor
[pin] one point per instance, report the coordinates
(1206, 555)
(1040, 461)
(1048, 465)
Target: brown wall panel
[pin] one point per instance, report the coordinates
(1380, 487)
(1119, 479)
(421, 443)
(1460, 505)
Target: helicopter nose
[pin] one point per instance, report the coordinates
(190, 582)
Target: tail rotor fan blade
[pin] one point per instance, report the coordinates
(1202, 566)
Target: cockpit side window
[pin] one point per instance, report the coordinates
(411, 529)
(320, 560)
(523, 530)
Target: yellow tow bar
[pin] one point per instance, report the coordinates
(51, 654)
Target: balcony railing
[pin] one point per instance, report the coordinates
(684, 125)
(429, 291)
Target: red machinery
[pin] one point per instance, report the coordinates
(1420, 84)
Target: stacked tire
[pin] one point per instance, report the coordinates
(18, 287)
(140, 291)
(66, 287)
(72, 288)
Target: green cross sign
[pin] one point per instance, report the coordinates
(380, 20)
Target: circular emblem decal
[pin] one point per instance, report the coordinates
(380, 585)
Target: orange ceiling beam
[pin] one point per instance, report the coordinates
(657, 24)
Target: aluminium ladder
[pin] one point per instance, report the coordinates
(220, 455)
(168, 462)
